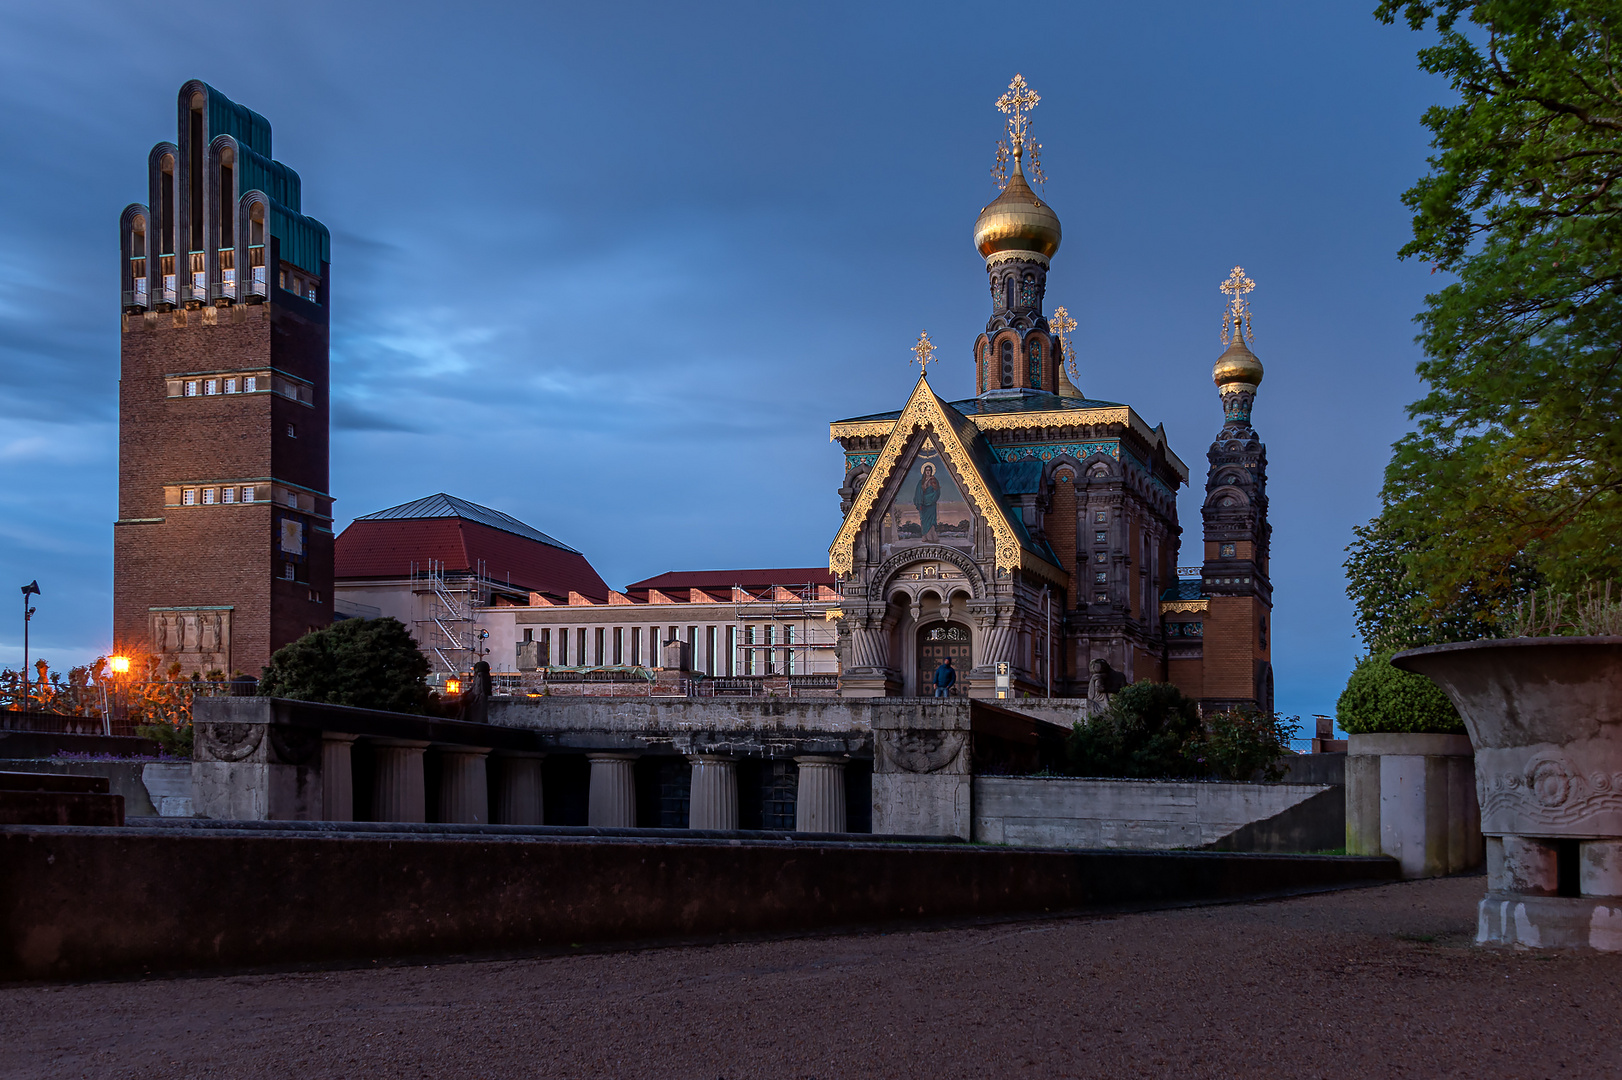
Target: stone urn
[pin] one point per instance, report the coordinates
(1545, 719)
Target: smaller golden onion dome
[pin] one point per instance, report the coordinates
(1067, 389)
(1017, 220)
(1237, 365)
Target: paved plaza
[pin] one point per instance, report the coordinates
(1372, 982)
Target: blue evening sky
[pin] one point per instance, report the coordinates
(612, 268)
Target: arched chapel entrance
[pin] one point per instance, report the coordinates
(937, 641)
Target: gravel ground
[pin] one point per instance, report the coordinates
(1372, 982)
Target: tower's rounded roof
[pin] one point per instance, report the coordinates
(1017, 220)
(1238, 364)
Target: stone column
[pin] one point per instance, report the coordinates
(819, 804)
(713, 803)
(518, 789)
(337, 777)
(398, 793)
(464, 787)
(612, 802)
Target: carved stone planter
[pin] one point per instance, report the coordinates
(1545, 718)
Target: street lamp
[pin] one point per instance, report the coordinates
(121, 669)
(31, 589)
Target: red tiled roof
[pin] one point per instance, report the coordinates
(720, 582)
(387, 548)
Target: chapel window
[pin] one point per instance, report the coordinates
(1027, 292)
(1008, 292)
(1100, 517)
(1036, 364)
(1008, 362)
(1100, 538)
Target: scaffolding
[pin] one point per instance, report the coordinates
(807, 613)
(450, 634)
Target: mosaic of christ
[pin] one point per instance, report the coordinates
(928, 508)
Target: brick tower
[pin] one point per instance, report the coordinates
(1238, 668)
(223, 548)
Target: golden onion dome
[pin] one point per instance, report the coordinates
(1017, 220)
(1237, 365)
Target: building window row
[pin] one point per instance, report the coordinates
(210, 384)
(309, 288)
(1185, 629)
(749, 649)
(231, 494)
(217, 494)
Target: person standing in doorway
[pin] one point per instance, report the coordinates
(945, 678)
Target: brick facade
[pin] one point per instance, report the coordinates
(223, 548)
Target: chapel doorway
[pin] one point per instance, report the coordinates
(936, 642)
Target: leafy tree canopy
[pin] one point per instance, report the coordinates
(1515, 471)
(1145, 733)
(367, 663)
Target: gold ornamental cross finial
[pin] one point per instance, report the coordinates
(923, 353)
(1063, 323)
(1016, 103)
(1236, 320)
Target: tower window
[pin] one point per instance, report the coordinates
(247, 494)
(250, 384)
(1008, 360)
(1227, 551)
(1036, 364)
(1100, 578)
(1027, 292)
(208, 496)
(292, 432)
(188, 497)
(1100, 517)
(230, 386)
(1008, 292)
(211, 386)
(228, 495)
(1100, 538)
(191, 387)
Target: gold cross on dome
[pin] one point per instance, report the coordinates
(1016, 103)
(1238, 313)
(1063, 323)
(923, 353)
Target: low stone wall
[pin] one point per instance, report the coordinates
(88, 902)
(149, 788)
(1157, 814)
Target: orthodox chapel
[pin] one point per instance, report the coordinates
(1030, 532)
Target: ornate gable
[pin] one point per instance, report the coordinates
(935, 486)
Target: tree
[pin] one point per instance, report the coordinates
(1379, 697)
(367, 663)
(1515, 471)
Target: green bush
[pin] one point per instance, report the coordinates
(1144, 735)
(175, 739)
(1379, 697)
(1238, 745)
(367, 663)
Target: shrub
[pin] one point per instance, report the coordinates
(367, 663)
(1238, 745)
(1379, 697)
(174, 738)
(1144, 734)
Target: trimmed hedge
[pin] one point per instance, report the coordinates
(1382, 698)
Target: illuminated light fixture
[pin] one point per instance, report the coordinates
(120, 664)
(453, 686)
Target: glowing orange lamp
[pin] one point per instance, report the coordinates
(120, 664)
(453, 686)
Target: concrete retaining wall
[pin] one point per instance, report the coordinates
(82, 902)
(1156, 814)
